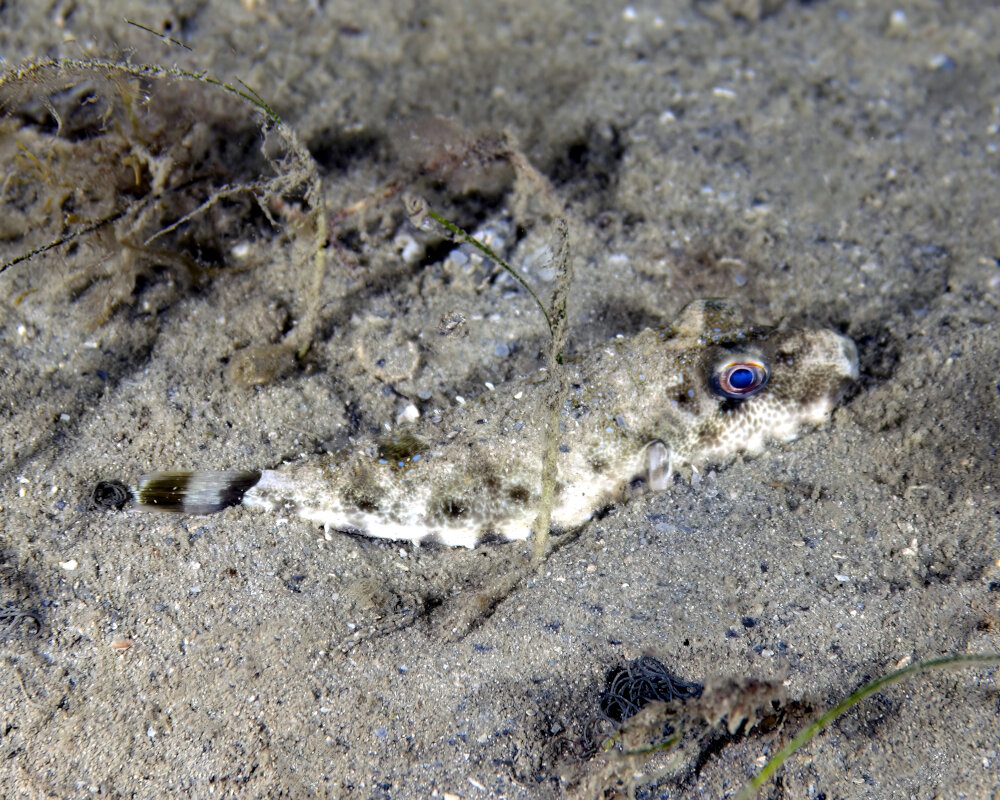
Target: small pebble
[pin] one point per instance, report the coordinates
(897, 23)
(941, 62)
(411, 249)
(410, 413)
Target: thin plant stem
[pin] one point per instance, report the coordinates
(806, 734)
(488, 252)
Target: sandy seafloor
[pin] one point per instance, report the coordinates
(824, 163)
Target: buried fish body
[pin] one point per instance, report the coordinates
(706, 388)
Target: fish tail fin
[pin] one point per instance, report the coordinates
(200, 492)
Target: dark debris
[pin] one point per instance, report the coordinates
(640, 682)
(11, 615)
(108, 495)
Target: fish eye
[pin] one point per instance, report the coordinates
(739, 378)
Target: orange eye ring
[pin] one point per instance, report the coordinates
(739, 379)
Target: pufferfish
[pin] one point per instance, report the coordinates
(698, 392)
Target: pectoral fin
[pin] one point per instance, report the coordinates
(659, 465)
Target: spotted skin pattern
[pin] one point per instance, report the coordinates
(638, 410)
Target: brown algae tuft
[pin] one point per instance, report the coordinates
(148, 181)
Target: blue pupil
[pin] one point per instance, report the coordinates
(741, 378)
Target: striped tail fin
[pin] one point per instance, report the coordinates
(201, 492)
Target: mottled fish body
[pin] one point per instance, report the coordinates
(698, 392)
